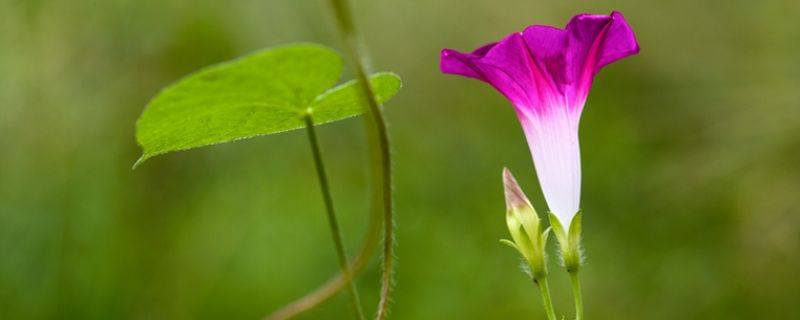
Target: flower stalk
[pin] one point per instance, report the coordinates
(576, 294)
(547, 302)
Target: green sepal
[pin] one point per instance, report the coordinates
(569, 243)
(510, 244)
(575, 230)
(558, 229)
(546, 236)
(533, 250)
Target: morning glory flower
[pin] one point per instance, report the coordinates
(546, 73)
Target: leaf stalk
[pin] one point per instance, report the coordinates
(333, 223)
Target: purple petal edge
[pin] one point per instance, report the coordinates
(552, 61)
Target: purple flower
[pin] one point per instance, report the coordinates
(547, 72)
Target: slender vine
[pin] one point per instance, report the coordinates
(355, 301)
(381, 205)
(352, 44)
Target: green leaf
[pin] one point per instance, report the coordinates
(345, 100)
(263, 93)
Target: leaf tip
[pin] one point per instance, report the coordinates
(139, 161)
(391, 75)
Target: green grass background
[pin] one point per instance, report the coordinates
(690, 166)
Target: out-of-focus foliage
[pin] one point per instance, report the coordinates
(690, 152)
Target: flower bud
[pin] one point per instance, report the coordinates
(525, 227)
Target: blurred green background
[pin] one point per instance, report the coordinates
(690, 154)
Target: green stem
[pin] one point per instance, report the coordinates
(380, 146)
(546, 300)
(576, 293)
(355, 302)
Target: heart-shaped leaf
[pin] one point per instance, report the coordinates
(263, 93)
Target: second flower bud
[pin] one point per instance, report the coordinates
(525, 228)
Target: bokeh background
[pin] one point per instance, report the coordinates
(691, 183)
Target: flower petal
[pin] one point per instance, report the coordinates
(509, 68)
(573, 55)
(553, 141)
(454, 62)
